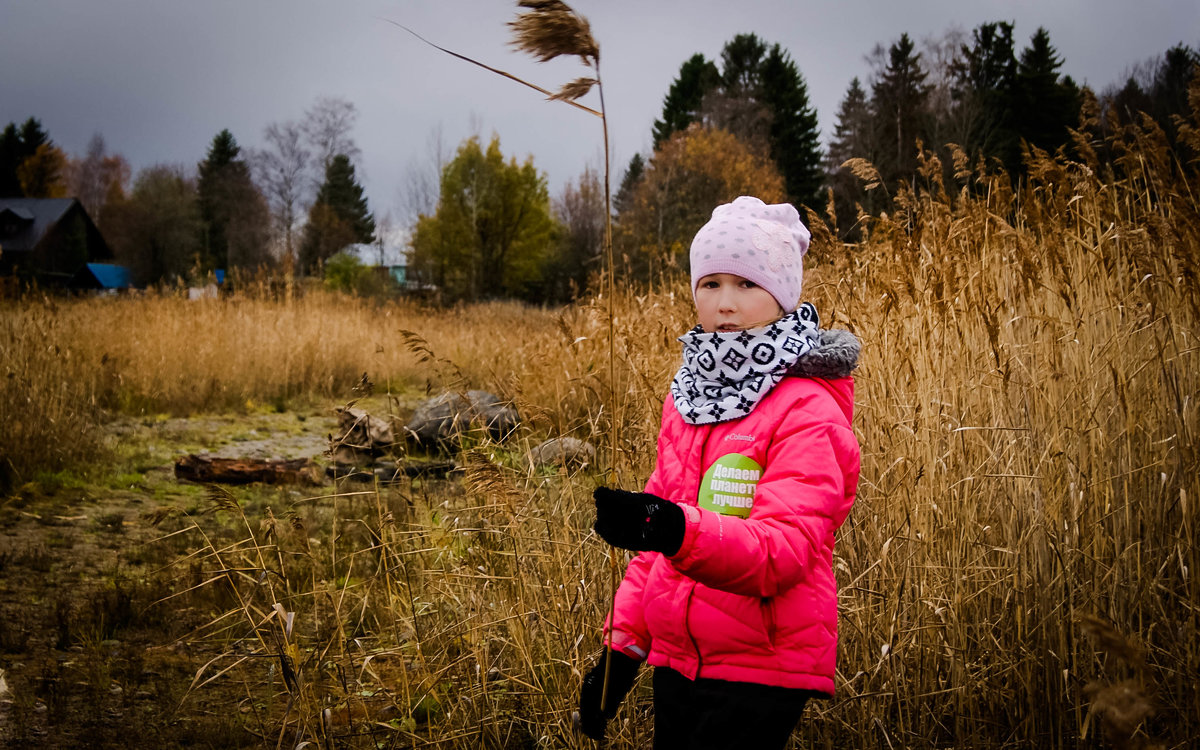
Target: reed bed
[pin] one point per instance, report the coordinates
(1019, 569)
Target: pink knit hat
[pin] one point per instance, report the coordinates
(762, 243)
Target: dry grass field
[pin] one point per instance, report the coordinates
(1019, 569)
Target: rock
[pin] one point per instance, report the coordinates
(568, 451)
(438, 421)
(360, 438)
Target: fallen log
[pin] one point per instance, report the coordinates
(195, 468)
(391, 473)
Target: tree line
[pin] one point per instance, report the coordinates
(741, 123)
(287, 207)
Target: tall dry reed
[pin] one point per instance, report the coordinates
(1019, 570)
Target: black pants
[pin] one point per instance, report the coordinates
(716, 715)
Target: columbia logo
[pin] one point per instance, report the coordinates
(743, 438)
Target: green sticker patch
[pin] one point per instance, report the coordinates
(728, 485)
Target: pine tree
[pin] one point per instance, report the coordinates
(987, 76)
(898, 100)
(1169, 92)
(681, 106)
(760, 97)
(852, 138)
(794, 130)
(741, 61)
(18, 145)
(233, 213)
(629, 182)
(339, 216)
(1047, 104)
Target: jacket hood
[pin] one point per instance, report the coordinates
(832, 361)
(835, 356)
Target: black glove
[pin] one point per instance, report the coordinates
(591, 719)
(638, 521)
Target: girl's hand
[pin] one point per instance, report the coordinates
(638, 521)
(592, 720)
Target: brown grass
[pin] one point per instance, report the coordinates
(1019, 569)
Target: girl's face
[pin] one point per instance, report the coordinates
(725, 302)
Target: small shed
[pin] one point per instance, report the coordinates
(49, 240)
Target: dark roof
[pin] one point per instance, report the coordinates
(36, 216)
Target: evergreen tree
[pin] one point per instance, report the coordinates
(986, 74)
(681, 107)
(760, 97)
(1125, 104)
(741, 62)
(339, 216)
(1169, 92)
(852, 132)
(233, 212)
(629, 183)
(852, 138)
(1048, 105)
(794, 130)
(18, 145)
(898, 101)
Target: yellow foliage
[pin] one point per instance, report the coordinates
(691, 174)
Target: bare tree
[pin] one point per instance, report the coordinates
(281, 170)
(422, 185)
(97, 179)
(327, 125)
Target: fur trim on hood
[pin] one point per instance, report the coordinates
(836, 356)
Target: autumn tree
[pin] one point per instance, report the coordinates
(759, 96)
(693, 172)
(338, 217)
(492, 229)
(99, 180)
(156, 232)
(43, 175)
(233, 213)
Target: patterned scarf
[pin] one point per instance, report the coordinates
(725, 375)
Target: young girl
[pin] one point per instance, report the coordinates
(732, 599)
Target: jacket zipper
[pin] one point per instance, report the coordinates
(706, 433)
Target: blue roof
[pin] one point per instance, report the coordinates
(110, 276)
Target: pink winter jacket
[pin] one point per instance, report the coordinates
(748, 599)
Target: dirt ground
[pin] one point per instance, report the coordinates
(93, 650)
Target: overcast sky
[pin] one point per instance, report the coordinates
(159, 78)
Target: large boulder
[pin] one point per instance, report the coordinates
(439, 421)
(566, 451)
